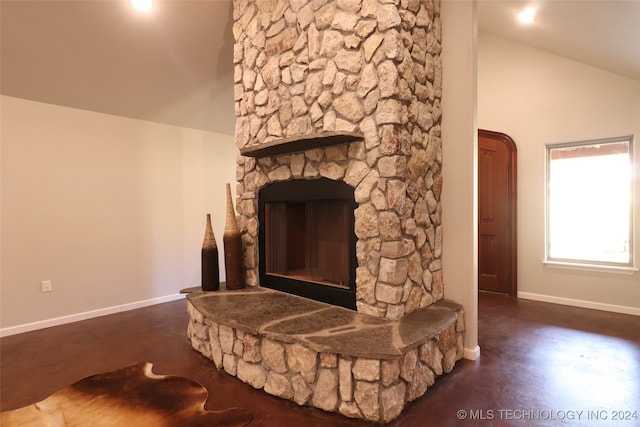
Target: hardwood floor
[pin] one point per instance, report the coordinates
(541, 364)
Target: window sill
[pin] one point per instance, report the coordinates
(591, 267)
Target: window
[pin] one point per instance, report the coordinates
(590, 203)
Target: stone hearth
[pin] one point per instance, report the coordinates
(325, 356)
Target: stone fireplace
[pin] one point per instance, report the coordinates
(348, 90)
(338, 193)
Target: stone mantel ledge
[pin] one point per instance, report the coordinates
(323, 327)
(298, 143)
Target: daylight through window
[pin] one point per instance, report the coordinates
(589, 202)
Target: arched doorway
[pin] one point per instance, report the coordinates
(497, 237)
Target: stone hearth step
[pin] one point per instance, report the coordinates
(322, 355)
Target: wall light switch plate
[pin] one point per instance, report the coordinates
(46, 286)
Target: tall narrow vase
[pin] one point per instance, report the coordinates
(210, 266)
(232, 247)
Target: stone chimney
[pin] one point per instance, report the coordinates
(348, 90)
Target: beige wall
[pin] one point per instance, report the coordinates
(539, 98)
(459, 141)
(110, 209)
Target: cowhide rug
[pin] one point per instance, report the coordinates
(130, 397)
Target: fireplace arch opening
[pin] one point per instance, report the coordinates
(307, 243)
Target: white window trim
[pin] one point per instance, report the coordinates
(596, 268)
(583, 265)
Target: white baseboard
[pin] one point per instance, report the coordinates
(581, 303)
(471, 353)
(26, 327)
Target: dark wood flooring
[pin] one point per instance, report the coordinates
(540, 365)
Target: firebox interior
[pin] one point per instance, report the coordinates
(307, 240)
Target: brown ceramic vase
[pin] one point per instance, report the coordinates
(232, 247)
(209, 259)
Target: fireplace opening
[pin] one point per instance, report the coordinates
(307, 239)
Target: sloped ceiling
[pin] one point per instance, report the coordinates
(174, 65)
(605, 34)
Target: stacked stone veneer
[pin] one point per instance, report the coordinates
(367, 66)
(357, 387)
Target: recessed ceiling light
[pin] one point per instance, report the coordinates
(142, 5)
(527, 15)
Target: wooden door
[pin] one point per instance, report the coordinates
(496, 213)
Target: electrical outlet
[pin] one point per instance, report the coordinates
(46, 286)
